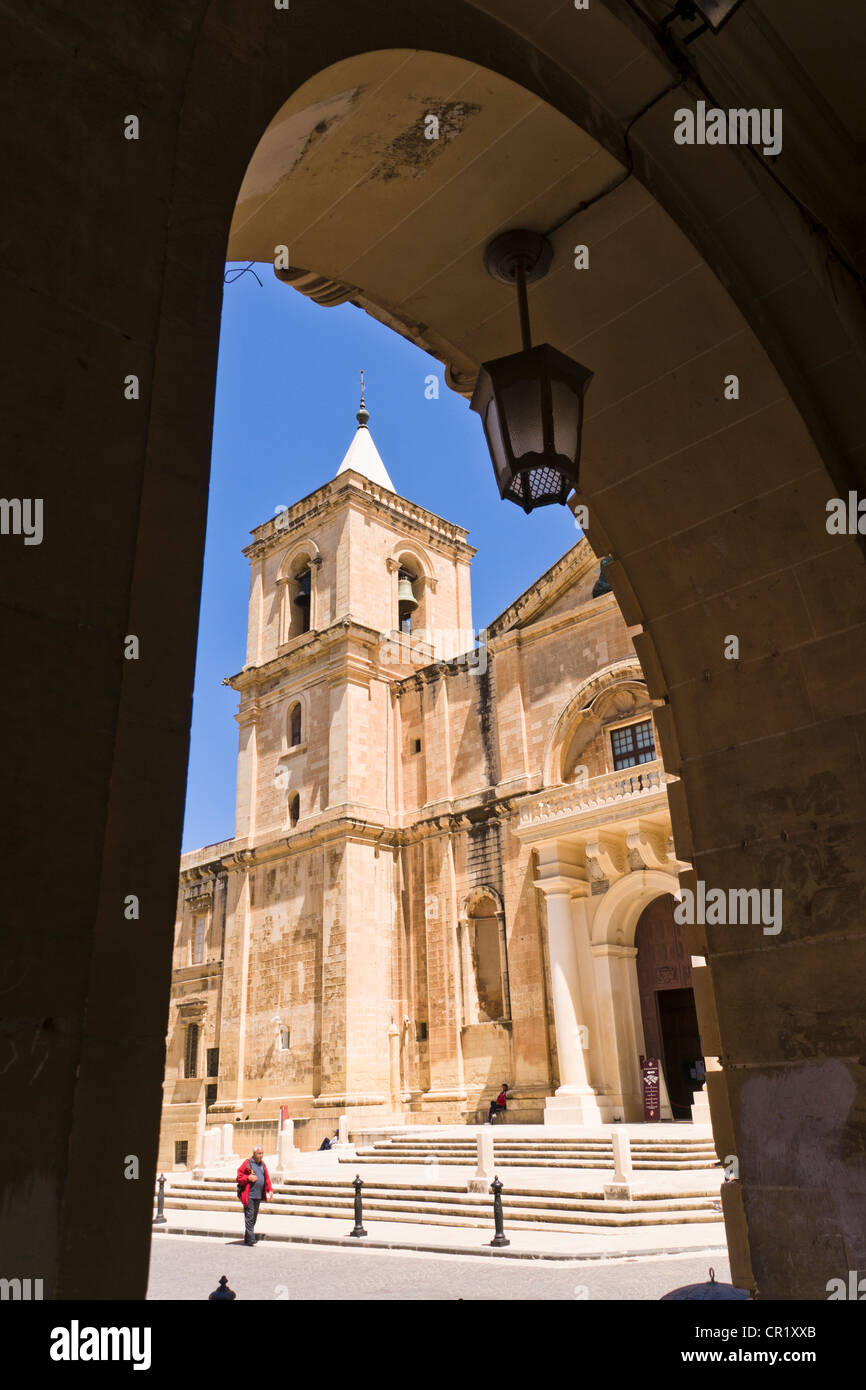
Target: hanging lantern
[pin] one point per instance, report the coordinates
(530, 402)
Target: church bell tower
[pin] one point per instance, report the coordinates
(352, 588)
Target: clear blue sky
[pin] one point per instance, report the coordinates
(287, 392)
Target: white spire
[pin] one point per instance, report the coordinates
(362, 454)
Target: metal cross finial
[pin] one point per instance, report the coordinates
(363, 414)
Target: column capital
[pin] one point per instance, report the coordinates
(562, 869)
(558, 885)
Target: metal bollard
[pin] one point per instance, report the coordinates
(499, 1238)
(359, 1211)
(160, 1217)
(222, 1290)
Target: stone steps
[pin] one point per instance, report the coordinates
(512, 1146)
(526, 1161)
(435, 1205)
(661, 1155)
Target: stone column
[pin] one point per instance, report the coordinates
(394, 1063)
(483, 1175)
(286, 1151)
(211, 1146)
(560, 876)
(621, 1036)
(621, 1187)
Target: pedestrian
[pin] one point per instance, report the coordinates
(325, 1144)
(254, 1187)
(500, 1103)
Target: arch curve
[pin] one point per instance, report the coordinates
(621, 906)
(625, 673)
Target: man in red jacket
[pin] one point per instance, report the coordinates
(500, 1103)
(254, 1187)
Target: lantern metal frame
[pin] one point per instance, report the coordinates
(546, 474)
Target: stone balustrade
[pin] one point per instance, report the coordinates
(597, 793)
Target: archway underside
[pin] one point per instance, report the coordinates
(713, 507)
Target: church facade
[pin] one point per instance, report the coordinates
(453, 864)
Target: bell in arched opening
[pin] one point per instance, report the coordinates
(303, 591)
(407, 603)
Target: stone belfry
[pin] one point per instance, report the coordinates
(312, 987)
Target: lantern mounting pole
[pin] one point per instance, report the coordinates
(523, 306)
(519, 258)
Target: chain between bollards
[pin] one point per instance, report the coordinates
(160, 1217)
(496, 1189)
(359, 1210)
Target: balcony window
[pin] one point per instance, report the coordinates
(191, 1051)
(633, 744)
(198, 939)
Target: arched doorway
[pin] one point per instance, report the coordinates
(667, 1001)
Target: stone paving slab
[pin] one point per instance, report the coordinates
(395, 1235)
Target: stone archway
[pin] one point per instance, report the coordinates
(716, 520)
(615, 952)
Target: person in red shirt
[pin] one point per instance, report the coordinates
(254, 1187)
(500, 1103)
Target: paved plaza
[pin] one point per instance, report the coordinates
(189, 1267)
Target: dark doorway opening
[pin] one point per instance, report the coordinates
(681, 1046)
(670, 1023)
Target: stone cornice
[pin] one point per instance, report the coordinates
(567, 569)
(451, 817)
(544, 627)
(200, 902)
(369, 496)
(319, 645)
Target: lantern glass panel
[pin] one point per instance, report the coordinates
(521, 406)
(566, 419)
(495, 442)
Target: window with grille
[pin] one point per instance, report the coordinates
(632, 745)
(285, 1039)
(191, 1054)
(213, 1061)
(181, 1149)
(199, 932)
(210, 1095)
(294, 808)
